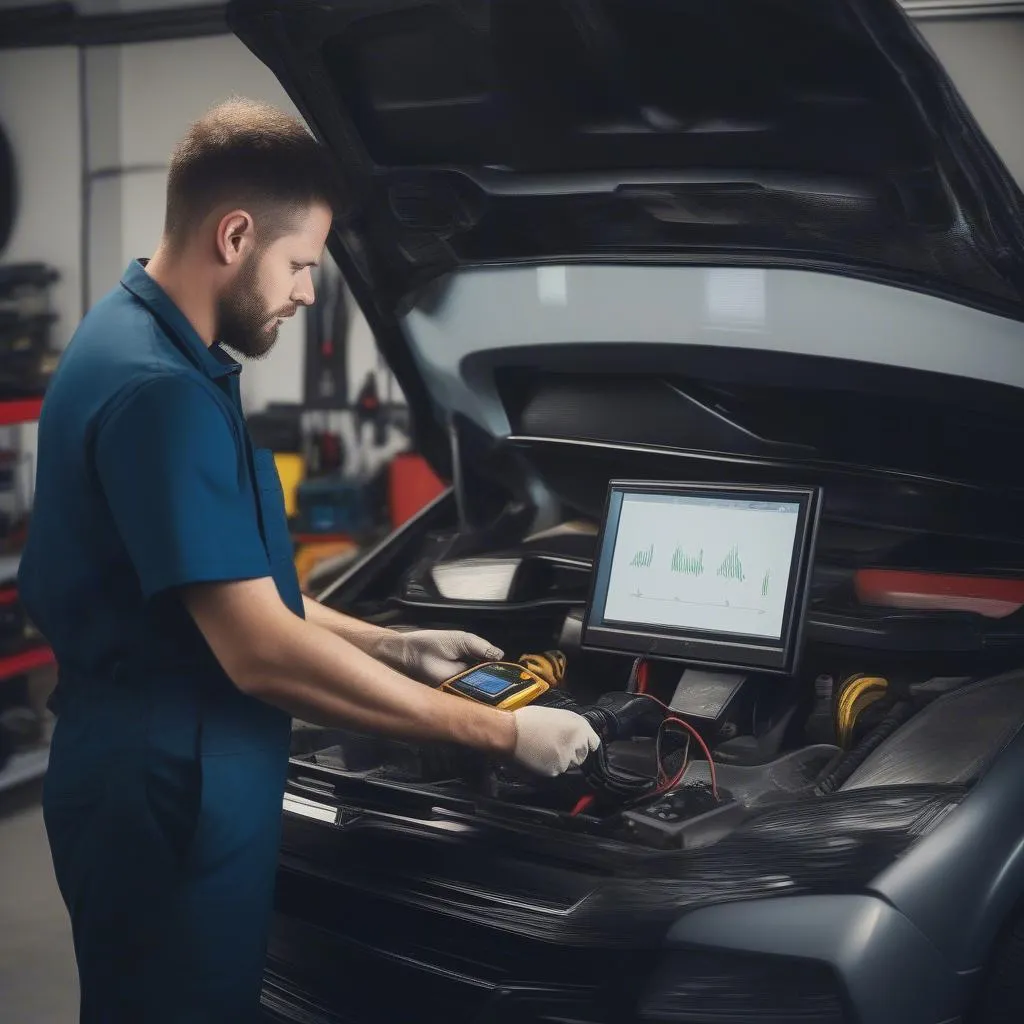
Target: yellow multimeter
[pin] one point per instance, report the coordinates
(499, 684)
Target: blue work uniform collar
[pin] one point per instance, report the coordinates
(213, 361)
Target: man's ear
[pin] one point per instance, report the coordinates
(235, 236)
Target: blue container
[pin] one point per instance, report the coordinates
(333, 505)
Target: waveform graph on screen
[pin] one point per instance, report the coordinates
(643, 558)
(732, 566)
(716, 567)
(687, 564)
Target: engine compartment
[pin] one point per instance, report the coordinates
(772, 740)
(916, 596)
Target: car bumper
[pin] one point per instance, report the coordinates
(841, 959)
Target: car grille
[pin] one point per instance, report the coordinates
(696, 989)
(316, 976)
(382, 965)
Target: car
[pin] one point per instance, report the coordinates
(691, 249)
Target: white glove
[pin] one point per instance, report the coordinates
(434, 655)
(550, 741)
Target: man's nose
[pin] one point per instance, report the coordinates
(304, 293)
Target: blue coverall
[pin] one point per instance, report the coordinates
(162, 802)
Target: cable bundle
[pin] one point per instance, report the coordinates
(624, 715)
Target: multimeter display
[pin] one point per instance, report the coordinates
(500, 684)
(486, 682)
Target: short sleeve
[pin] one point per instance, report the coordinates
(176, 481)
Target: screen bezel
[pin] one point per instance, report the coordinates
(694, 647)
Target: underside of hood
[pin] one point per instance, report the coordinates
(822, 135)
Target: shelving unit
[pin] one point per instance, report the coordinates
(28, 660)
(19, 410)
(28, 764)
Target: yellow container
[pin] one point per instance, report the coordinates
(291, 468)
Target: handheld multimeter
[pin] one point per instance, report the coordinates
(499, 684)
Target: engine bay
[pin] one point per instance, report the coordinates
(683, 760)
(690, 751)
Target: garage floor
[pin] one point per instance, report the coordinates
(37, 965)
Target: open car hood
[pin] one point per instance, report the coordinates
(811, 162)
(823, 135)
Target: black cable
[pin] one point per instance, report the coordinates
(898, 714)
(618, 716)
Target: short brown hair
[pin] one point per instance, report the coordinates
(251, 155)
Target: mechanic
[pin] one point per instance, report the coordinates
(159, 567)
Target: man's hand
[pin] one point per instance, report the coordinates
(550, 741)
(433, 655)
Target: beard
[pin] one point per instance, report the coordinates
(244, 323)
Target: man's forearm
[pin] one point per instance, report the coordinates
(363, 635)
(322, 678)
(313, 674)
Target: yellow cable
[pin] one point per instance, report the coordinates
(856, 693)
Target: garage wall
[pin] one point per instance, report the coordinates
(164, 87)
(985, 58)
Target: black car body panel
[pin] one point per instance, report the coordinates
(823, 136)
(798, 913)
(503, 130)
(826, 912)
(976, 861)
(480, 142)
(889, 970)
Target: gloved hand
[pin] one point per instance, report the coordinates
(433, 655)
(550, 741)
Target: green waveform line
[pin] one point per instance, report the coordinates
(731, 567)
(688, 565)
(643, 559)
(766, 582)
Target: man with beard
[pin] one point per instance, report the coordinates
(159, 567)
